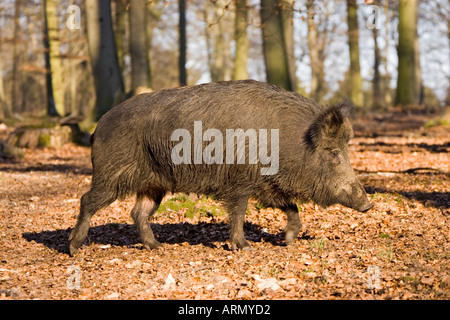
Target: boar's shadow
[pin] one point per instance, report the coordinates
(120, 234)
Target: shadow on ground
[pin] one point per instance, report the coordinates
(399, 148)
(62, 168)
(119, 234)
(439, 200)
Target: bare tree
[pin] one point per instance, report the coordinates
(15, 54)
(274, 46)
(315, 54)
(406, 93)
(182, 41)
(102, 50)
(55, 88)
(218, 32)
(377, 100)
(5, 107)
(356, 90)
(287, 24)
(139, 45)
(120, 15)
(241, 39)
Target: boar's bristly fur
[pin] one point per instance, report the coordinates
(132, 145)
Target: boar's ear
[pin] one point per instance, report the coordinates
(328, 123)
(347, 109)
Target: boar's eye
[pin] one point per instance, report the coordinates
(334, 155)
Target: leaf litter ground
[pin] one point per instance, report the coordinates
(398, 250)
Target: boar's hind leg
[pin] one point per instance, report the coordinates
(92, 201)
(293, 223)
(237, 209)
(146, 205)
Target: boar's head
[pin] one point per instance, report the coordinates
(329, 169)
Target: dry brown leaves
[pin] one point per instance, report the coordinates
(398, 250)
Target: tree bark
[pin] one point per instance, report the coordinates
(356, 90)
(387, 78)
(102, 50)
(317, 72)
(5, 107)
(15, 56)
(406, 93)
(140, 76)
(216, 31)
(56, 79)
(120, 31)
(153, 16)
(287, 24)
(240, 35)
(274, 47)
(377, 96)
(51, 110)
(417, 68)
(5, 111)
(182, 42)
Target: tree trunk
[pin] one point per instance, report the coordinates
(240, 35)
(15, 56)
(5, 111)
(387, 78)
(51, 110)
(317, 73)
(182, 35)
(120, 31)
(216, 31)
(377, 96)
(274, 47)
(153, 16)
(356, 89)
(74, 105)
(287, 23)
(418, 69)
(102, 50)
(447, 98)
(55, 80)
(5, 107)
(140, 76)
(406, 92)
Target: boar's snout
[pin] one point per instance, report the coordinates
(366, 207)
(357, 198)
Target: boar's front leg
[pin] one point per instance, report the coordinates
(293, 223)
(237, 208)
(146, 205)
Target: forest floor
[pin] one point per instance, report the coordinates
(398, 250)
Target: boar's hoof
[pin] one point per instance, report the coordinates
(152, 246)
(242, 245)
(234, 248)
(290, 237)
(73, 249)
(291, 232)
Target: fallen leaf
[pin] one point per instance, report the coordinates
(427, 280)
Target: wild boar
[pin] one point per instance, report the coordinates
(234, 140)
